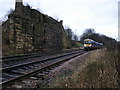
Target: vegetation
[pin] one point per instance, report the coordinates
(72, 38)
(107, 41)
(90, 33)
(10, 12)
(98, 70)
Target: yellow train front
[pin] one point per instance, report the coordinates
(90, 44)
(87, 44)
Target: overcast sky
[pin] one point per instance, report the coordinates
(102, 15)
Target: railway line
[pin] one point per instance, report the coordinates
(13, 60)
(14, 73)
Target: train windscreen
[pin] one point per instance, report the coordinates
(87, 42)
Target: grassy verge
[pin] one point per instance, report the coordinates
(95, 70)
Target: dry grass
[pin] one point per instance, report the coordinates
(96, 69)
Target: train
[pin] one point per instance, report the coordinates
(90, 44)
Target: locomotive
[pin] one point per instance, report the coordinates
(90, 44)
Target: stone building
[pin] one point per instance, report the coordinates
(28, 30)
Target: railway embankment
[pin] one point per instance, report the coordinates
(95, 69)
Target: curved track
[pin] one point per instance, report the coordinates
(18, 72)
(15, 60)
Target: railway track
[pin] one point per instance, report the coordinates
(12, 74)
(13, 60)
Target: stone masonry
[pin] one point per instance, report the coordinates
(28, 30)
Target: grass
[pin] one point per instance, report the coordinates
(97, 70)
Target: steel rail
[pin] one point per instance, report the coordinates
(29, 63)
(12, 81)
(12, 58)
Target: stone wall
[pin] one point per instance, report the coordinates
(28, 30)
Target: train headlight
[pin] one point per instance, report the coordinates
(85, 45)
(90, 45)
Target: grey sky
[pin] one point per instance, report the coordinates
(102, 15)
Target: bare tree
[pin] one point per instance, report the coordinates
(69, 33)
(107, 41)
(10, 11)
(75, 37)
